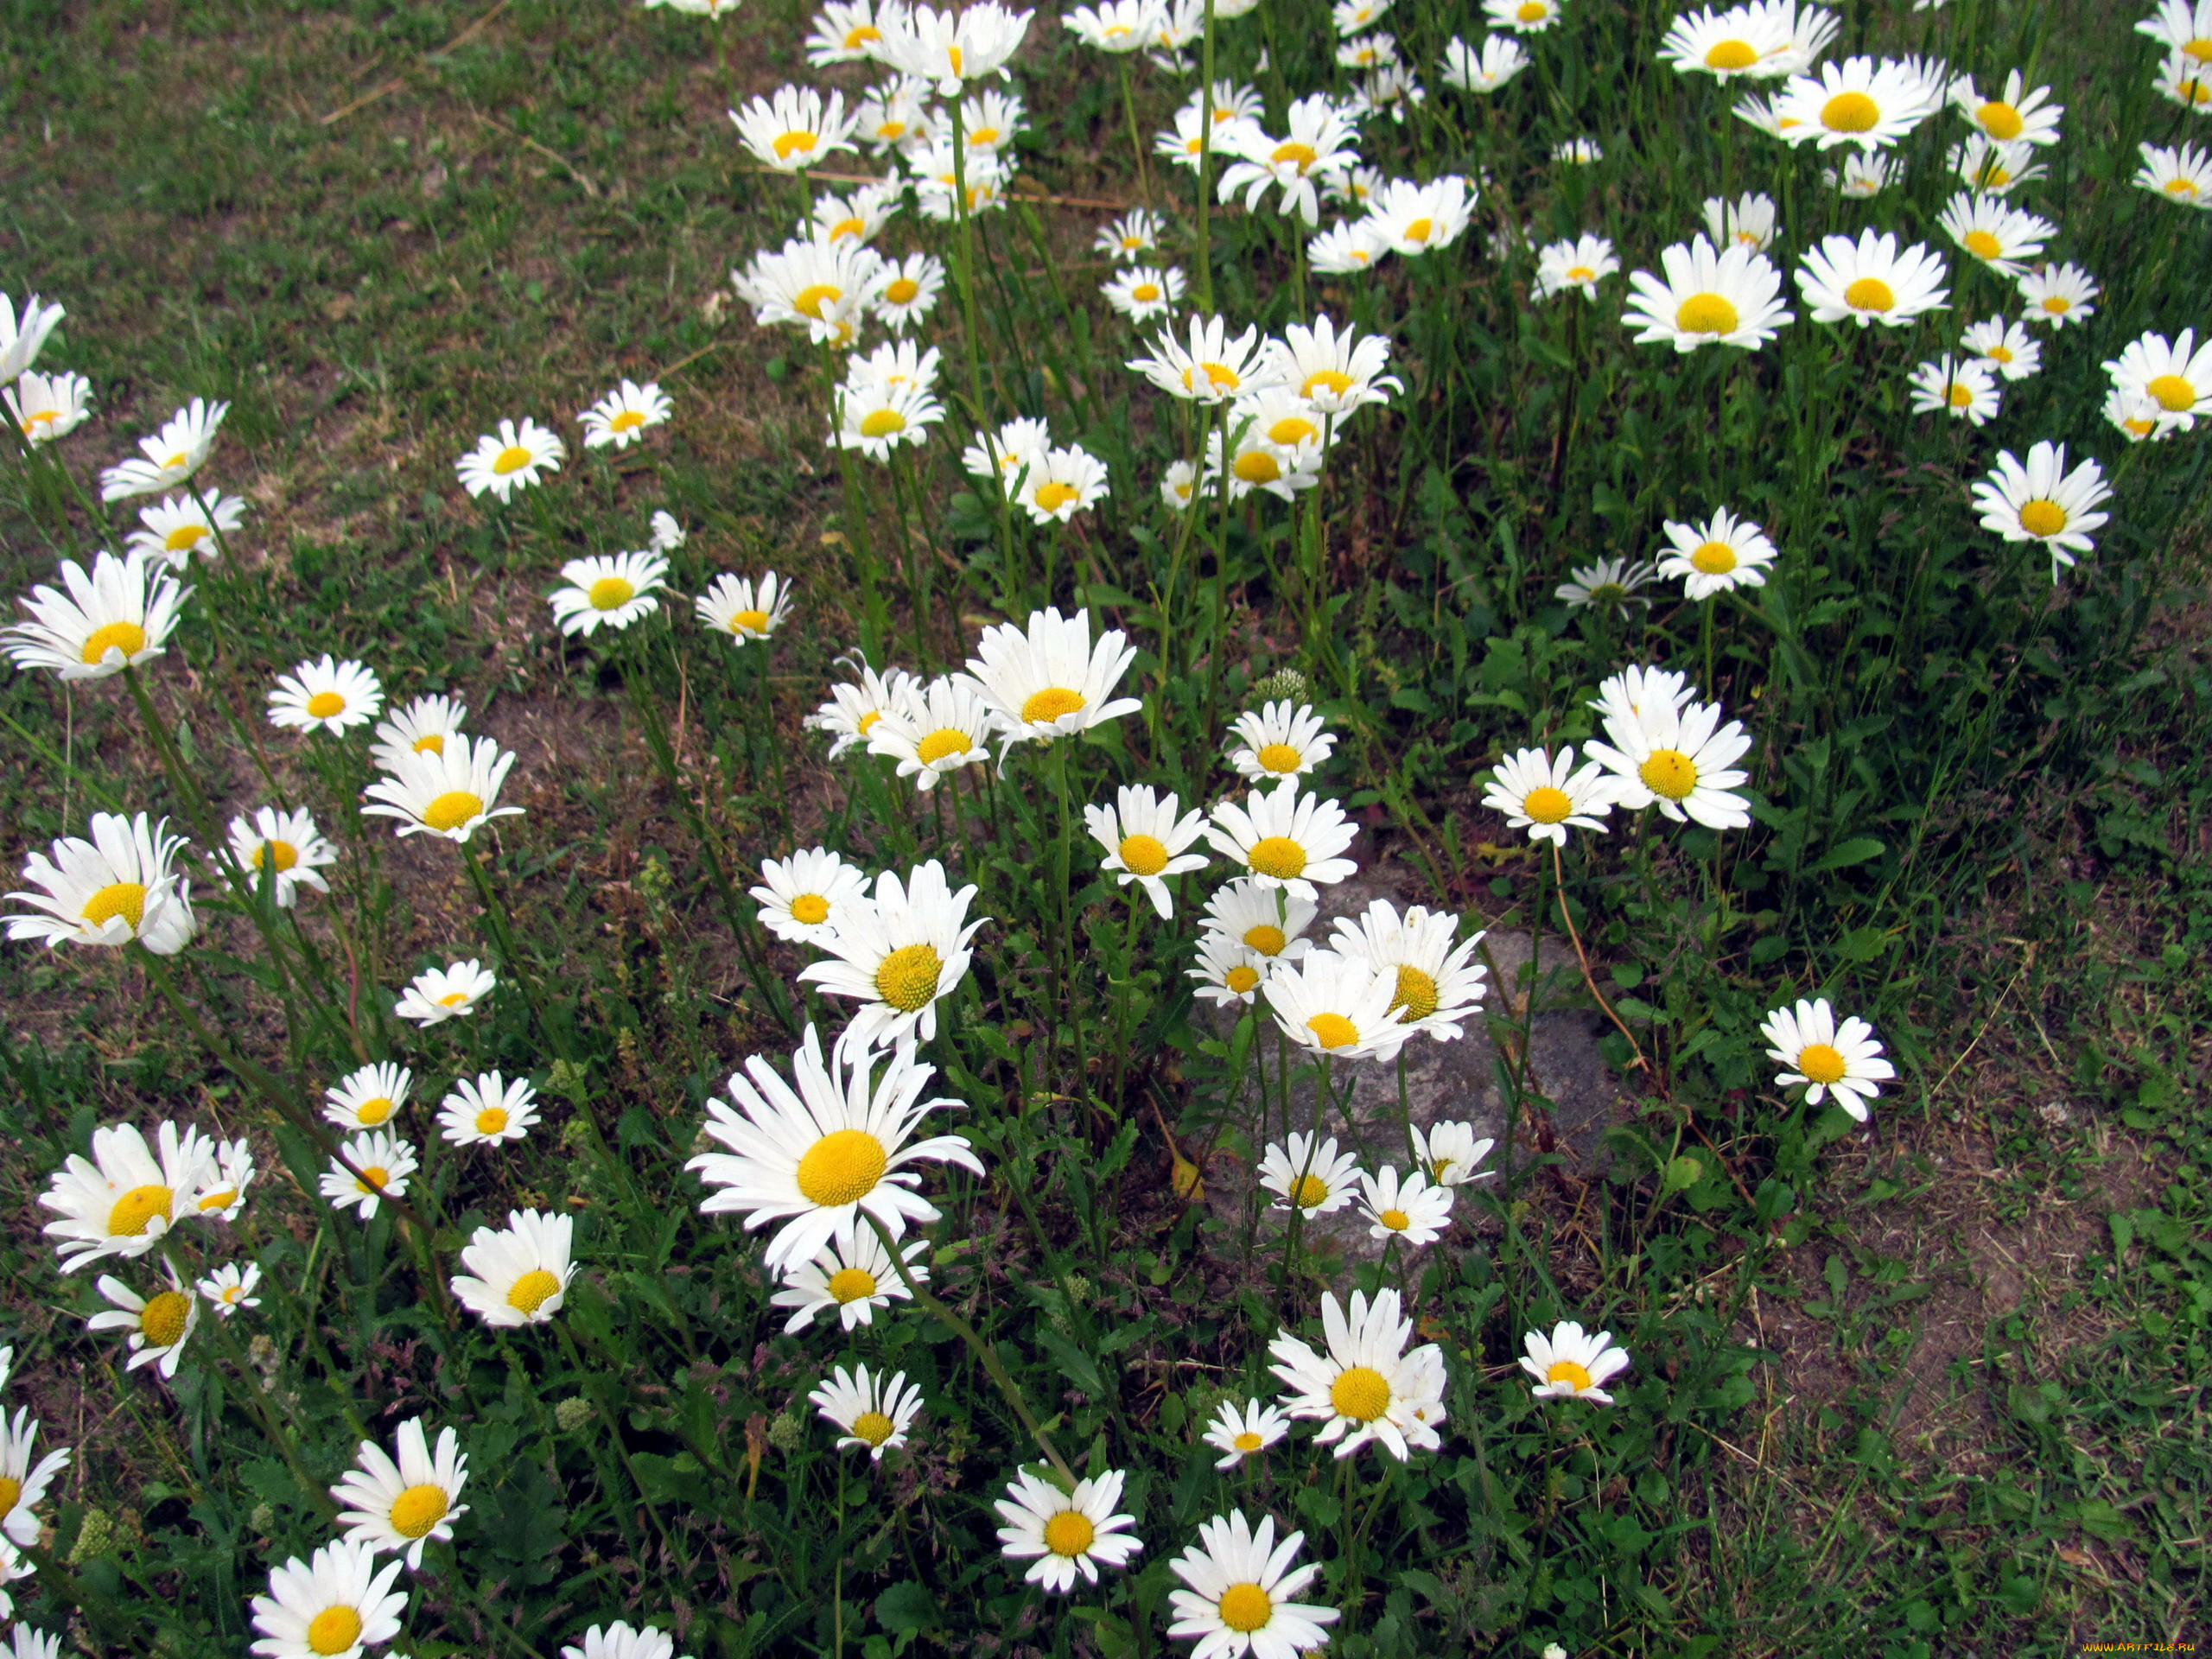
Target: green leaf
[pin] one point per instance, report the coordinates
(906, 1609)
(1080, 1369)
(1857, 850)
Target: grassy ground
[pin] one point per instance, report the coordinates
(1935, 1389)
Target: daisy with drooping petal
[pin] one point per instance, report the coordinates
(2001, 236)
(1366, 1387)
(487, 1110)
(449, 792)
(1869, 102)
(899, 949)
(1410, 1211)
(518, 1274)
(330, 1606)
(20, 340)
(1722, 553)
(936, 730)
(1451, 1155)
(1337, 1006)
(1282, 838)
(666, 534)
(1141, 293)
(1546, 794)
(229, 1290)
(853, 1273)
(794, 129)
(46, 407)
(1241, 1433)
(179, 526)
(1228, 971)
(1611, 583)
(802, 898)
(1729, 298)
(437, 995)
(1682, 760)
(1967, 392)
(405, 1503)
(735, 606)
(1063, 482)
(384, 1162)
(116, 615)
(1146, 841)
(2059, 295)
(1278, 741)
(285, 848)
(1062, 1534)
(609, 590)
(1437, 983)
(1048, 680)
(159, 1324)
(124, 1198)
(368, 1098)
(814, 1158)
(621, 418)
(171, 456)
(2044, 502)
(1501, 58)
(1208, 367)
(514, 458)
(119, 887)
(952, 48)
(1870, 281)
(875, 1412)
(1812, 1048)
(424, 726)
(1414, 219)
(617, 1640)
(2176, 376)
(2007, 347)
(2181, 174)
(1241, 1598)
(1578, 264)
(1178, 486)
(324, 695)
(1570, 1364)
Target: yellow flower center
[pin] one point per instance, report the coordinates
(882, 423)
(1279, 857)
(431, 743)
(374, 1110)
(749, 622)
(334, 1629)
(611, 593)
(1293, 430)
(1246, 1606)
(1566, 1370)
(418, 1508)
(1143, 854)
(162, 1321)
(857, 38)
(1714, 558)
(2200, 49)
(1053, 495)
(1961, 394)
(901, 290)
(1669, 772)
(2057, 304)
(907, 978)
(2000, 120)
(1294, 154)
(1416, 992)
(1053, 703)
(10, 1489)
(1332, 381)
(137, 1210)
(2139, 428)
(453, 998)
(1266, 939)
(628, 420)
(1531, 11)
(2173, 393)
(855, 227)
(940, 743)
(1731, 55)
(842, 1167)
(1870, 294)
(124, 899)
(800, 143)
(491, 1120)
(1983, 244)
(530, 1293)
(2173, 187)
(892, 131)
(184, 538)
(373, 1180)
(1069, 1533)
(1705, 314)
(814, 296)
(873, 1427)
(983, 137)
(1546, 804)
(1360, 1393)
(1332, 1031)
(282, 854)
(810, 908)
(867, 721)
(1282, 760)
(2042, 518)
(1309, 1191)
(1219, 376)
(512, 459)
(221, 1199)
(39, 417)
(2195, 92)
(1248, 1441)
(180, 459)
(1144, 293)
(1820, 1063)
(1397, 1220)
(1580, 274)
(1257, 466)
(452, 810)
(1849, 113)
(1240, 978)
(1420, 230)
(851, 1284)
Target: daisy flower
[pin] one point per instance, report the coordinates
(667, 535)
(1333, 1005)
(862, 214)
(491, 1109)
(1133, 234)
(1609, 583)
(617, 1640)
(876, 417)
(1501, 58)
(1238, 1433)
(118, 886)
(852, 1274)
(1241, 1586)
(2136, 414)
(448, 792)
(802, 898)
(122, 1199)
(1966, 390)
(2179, 25)
(1278, 740)
(287, 847)
(2016, 114)
(2059, 295)
(989, 122)
(820, 287)
(1999, 235)
(794, 129)
(2006, 346)
(1723, 553)
(1009, 454)
(1375, 51)
(2044, 502)
(1411, 218)
(1141, 293)
(1577, 152)
(403, 1504)
(1729, 298)
(1570, 1364)
(324, 695)
(222, 1194)
(1996, 169)
(2186, 80)
(1322, 145)
(437, 995)
(2176, 377)
(1366, 1387)
(1207, 366)
(1260, 464)
(1578, 264)
(875, 1412)
(330, 1606)
(1811, 1048)
(1048, 680)
(518, 1274)
(1811, 30)
(116, 615)
(1682, 760)
(227, 1289)
(1227, 971)
(171, 456)
(1352, 16)
(1749, 220)
(844, 30)
(952, 48)
(1269, 921)
(1332, 372)
(1178, 486)
(733, 605)
(1411, 1209)
(45, 407)
(814, 1158)
(1451, 1153)
(852, 711)
(2183, 175)
(20, 340)
(384, 1162)
(941, 727)
(1742, 41)
(1437, 983)
(423, 727)
(608, 589)
(159, 1326)
(1146, 841)
(1064, 483)
(512, 459)
(1344, 248)
(1870, 280)
(621, 417)
(1115, 26)
(1546, 794)
(905, 291)
(1282, 838)
(178, 526)
(1869, 102)
(900, 950)
(1062, 1534)
(1625, 695)
(1522, 16)
(895, 116)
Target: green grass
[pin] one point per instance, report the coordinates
(1940, 1391)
